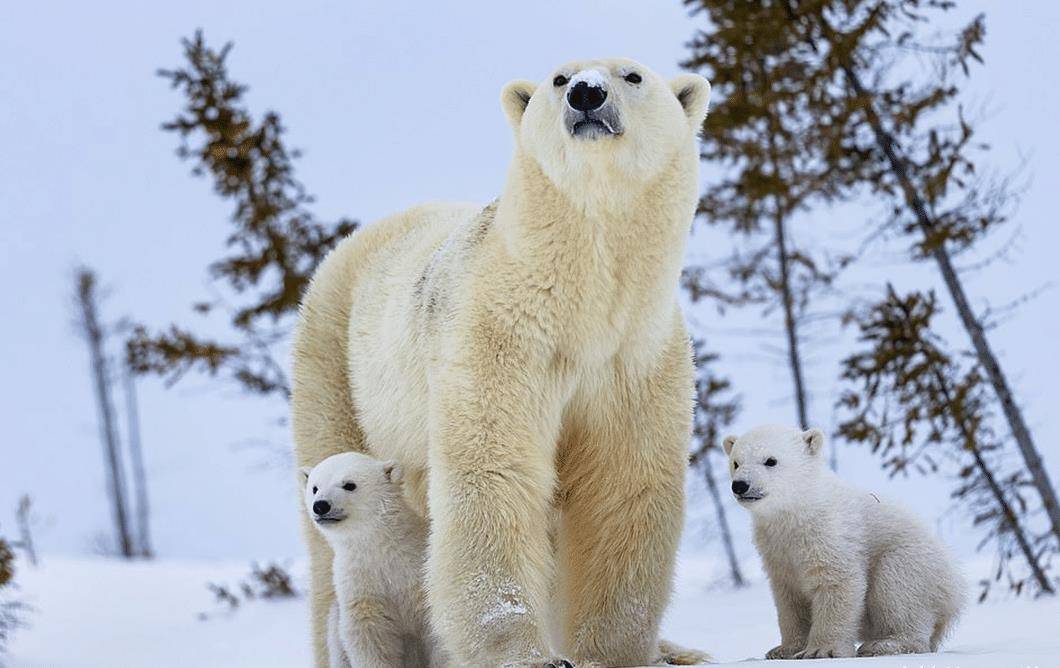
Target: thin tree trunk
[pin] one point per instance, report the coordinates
(25, 535)
(132, 415)
(723, 521)
(999, 496)
(786, 298)
(791, 330)
(985, 355)
(790, 325)
(93, 333)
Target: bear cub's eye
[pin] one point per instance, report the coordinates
(560, 80)
(633, 78)
(771, 461)
(314, 490)
(735, 465)
(349, 486)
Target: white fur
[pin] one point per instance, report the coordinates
(379, 617)
(844, 565)
(528, 365)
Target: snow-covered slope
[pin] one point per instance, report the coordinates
(105, 613)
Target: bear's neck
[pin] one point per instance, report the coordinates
(393, 524)
(619, 247)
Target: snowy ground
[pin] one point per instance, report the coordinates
(103, 613)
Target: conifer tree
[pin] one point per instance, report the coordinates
(275, 244)
(768, 175)
(875, 123)
(923, 409)
(12, 610)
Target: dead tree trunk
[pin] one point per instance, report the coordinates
(132, 416)
(25, 535)
(723, 521)
(889, 145)
(93, 333)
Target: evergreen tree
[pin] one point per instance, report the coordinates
(12, 611)
(874, 123)
(276, 241)
(768, 175)
(925, 410)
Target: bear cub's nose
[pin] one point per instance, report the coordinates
(584, 97)
(738, 487)
(321, 507)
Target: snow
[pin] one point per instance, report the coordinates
(592, 77)
(95, 612)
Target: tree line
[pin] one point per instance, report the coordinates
(817, 104)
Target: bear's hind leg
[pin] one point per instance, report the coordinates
(323, 419)
(893, 645)
(897, 609)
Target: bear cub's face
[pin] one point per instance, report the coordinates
(770, 466)
(598, 114)
(347, 490)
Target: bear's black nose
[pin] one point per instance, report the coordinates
(738, 487)
(584, 97)
(321, 507)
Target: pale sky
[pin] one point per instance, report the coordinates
(393, 104)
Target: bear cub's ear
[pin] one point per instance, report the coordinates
(392, 471)
(306, 470)
(727, 443)
(814, 439)
(693, 92)
(514, 98)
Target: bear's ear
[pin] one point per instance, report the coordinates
(693, 92)
(514, 98)
(392, 471)
(727, 443)
(814, 439)
(306, 470)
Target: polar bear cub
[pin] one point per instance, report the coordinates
(379, 618)
(843, 565)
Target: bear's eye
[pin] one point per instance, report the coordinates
(735, 465)
(771, 461)
(314, 490)
(633, 78)
(560, 80)
(349, 486)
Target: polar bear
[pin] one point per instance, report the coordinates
(527, 363)
(843, 565)
(379, 618)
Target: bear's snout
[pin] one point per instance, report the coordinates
(738, 487)
(321, 507)
(586, 97)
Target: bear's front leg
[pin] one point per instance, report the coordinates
(793, 616)
(494, 424)
(622, 472)
(837, 610)
(369, 634)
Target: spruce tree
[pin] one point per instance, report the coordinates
(275, 242)
(926, 410)
(875, 123)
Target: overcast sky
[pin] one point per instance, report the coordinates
(393, 104)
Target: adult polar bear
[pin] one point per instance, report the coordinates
(528, 365)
